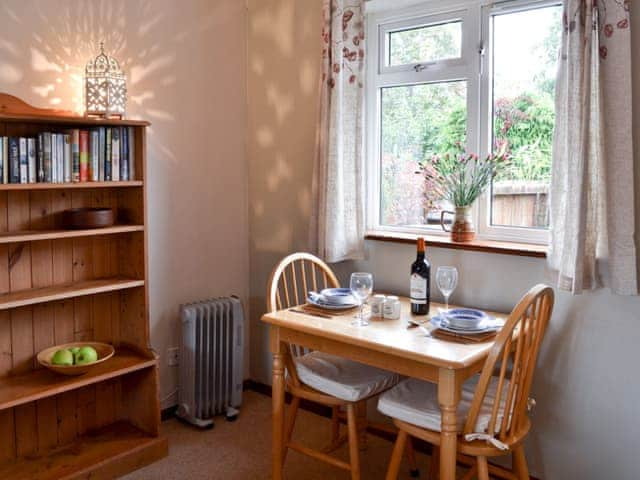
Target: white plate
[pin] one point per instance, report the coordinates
(337, 296)
(329, 306)
(488, 325)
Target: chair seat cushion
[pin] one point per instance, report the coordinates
(416, 402)
(343, 378)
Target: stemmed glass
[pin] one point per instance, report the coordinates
(361, 286)
(447, 281)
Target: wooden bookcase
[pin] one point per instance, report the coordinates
(59, 286)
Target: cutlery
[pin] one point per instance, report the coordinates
(428, 329)
(414, 323)
(320, 315)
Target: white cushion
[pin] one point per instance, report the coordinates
(342, 378)
(416, 402)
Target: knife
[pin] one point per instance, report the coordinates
(302, 312)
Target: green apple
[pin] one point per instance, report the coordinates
(62, 357)
(86, 355)
(75, 350)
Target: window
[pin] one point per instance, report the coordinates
(425, 44)
(475, 78)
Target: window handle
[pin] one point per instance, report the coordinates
(419, 67)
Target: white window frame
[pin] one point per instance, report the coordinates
(474, 67)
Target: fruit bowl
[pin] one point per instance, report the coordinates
(104, 350)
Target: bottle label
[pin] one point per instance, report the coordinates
(418, 289)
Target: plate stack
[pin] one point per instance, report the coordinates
(467, 322)
(333, 299)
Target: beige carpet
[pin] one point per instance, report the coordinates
(242, 450)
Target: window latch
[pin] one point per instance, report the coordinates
(419, 67)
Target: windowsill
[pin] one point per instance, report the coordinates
(487, 246)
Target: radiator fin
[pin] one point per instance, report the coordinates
(211, 360)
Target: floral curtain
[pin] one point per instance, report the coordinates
(592, 188)
(338, 218)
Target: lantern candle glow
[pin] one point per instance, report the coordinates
(105, 87)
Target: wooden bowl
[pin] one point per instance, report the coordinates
(104, 350)
(83, 218)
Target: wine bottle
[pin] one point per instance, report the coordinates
(420, 282)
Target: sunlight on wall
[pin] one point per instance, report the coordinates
(62, 44)
(171, 53)
(277, 24)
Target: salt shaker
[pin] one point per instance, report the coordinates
(377, 305)
(392, 308)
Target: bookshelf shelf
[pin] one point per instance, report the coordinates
(92, 455)
(63, 186)
(38, 235)
(41, 383)
(59, 286)
(23, 298)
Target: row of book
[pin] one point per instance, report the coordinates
(102, 154)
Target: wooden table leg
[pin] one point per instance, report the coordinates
(361, 416)
(448, 398)
(278, 388)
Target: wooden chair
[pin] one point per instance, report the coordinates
(290, 281)
(497, 404)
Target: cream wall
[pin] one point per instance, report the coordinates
(283, 66)
(185, 63)
(586, 424)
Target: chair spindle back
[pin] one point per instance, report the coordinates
(515, 352)
(291, 281)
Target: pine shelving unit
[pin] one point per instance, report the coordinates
(59, 286)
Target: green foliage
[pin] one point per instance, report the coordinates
(525, 125)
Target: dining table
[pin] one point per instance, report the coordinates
(384, 343)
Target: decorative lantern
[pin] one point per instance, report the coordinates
(105, 87)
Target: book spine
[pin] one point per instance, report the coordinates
(14, 160)
(115, 154)
(31, 159)
(95, 156)
(54, 157)
(24, 161)
(84, 156)
(107, 156)
(3, 159)
(40, 158)
(48, 170)
(68, 158)
(5, 164)
(132, 154)
(75, 155)
(124, 154)
(102, 137)
(60, 148)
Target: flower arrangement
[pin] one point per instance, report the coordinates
(460, 178)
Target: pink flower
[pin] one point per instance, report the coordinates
(608, 30)
(603, 52)
(623, 24)
(346, 18)
(352, 79)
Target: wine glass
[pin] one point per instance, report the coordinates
(447, 281)
(361, 286)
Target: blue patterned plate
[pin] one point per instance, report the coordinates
(489, 324)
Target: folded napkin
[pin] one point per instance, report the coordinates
(465, 338)
(308, 307)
